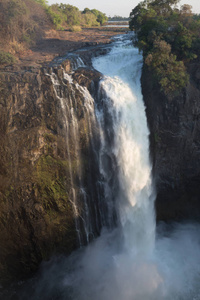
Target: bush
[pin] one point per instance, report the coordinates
(6, 58)
(75, 28)
(170, 73)
(89, 19)
(55, 15)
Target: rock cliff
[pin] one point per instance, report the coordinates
(43, 118)
(174, 124)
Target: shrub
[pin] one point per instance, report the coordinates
(75, 28)
(55, 16)
(170, 73)
(89, 19)
(6, 58)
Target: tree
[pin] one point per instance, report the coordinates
(149, 9)
(86, 10)
(170, 73)
(101, 17)
(186, 10)
(72, 13)
(169, 38)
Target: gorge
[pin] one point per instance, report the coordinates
(82, 169)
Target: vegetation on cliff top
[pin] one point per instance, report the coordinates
(169, 38)
(23, 22)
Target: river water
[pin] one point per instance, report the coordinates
(136, 260)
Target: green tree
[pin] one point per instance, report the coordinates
(86, 10)
(169, 38)
(57, 17)
(101, 17)
(89, 19)
(72, 13)
(170, 73)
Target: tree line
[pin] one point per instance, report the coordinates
(63, 15)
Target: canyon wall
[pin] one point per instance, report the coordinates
(47, 160)
(174, 123)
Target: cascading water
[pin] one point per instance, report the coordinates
(129, 262)
(68, 113)
(121, 94)
(85, 192)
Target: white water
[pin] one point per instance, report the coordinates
(165, 268)
(122, 96)
(131, 262)
(68, 105)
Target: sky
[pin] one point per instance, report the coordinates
(116, 7)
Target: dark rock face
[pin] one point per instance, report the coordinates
(38, 165)
(175, 147)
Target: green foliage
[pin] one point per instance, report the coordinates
(100, 17)
(89, 19)
(56, 15)
(6, 58)
(169, 38)
(170, 73)
(66, 15)
(72, 13)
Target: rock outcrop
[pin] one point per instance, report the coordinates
(41, 166)
(174, 124)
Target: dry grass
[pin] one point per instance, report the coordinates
(22, 23)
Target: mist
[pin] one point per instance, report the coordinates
(105, 270)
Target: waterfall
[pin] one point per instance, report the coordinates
(122, 103)
(68, 113)
(85, 193)
(133, 260)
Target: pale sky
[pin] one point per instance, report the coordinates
(116, 7)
